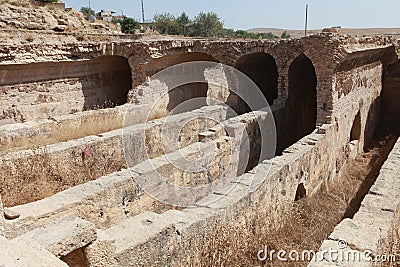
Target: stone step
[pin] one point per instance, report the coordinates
(62, 236)
(133, 241)
(22, 253)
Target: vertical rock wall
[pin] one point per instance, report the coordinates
(43, 90)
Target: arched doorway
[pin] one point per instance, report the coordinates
(176, 97)
(261, 68)
(301, 106)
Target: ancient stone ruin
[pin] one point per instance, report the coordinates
(70, 192)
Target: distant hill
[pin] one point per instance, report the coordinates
(350, 31)
(265, 30)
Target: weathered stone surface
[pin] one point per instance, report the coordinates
(111, 145)
(331, 254)
(23, 253)
(62, 236)
(86, 201)
(35, 17)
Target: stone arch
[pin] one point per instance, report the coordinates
(262, 69)
(157, 64)
(324, 70)
(171, 98)
(301, 105)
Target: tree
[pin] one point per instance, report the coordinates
(228, 33)
(166, 23)
(207, 25)
(183, 21)
(242, 34)
(87, 12)
(129, 25)
(48, 1)
(285, 35)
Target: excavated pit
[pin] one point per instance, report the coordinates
(293, 198)
(112, 199)
(308, 221)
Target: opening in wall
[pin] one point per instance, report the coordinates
(355, 133)
(114, 80)
(301, 106)
(261, 68)
(301, 192)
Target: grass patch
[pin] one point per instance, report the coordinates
(92, 124)
(41, 175)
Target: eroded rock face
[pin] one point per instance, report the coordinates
(38, 18)
(31, 19)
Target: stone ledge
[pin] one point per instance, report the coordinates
(22, 253)
(62, 236)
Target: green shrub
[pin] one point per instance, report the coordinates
(129, 25)
(285, 35)
(207, 25)
(167, 23)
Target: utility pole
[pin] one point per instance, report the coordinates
(305, 28)
(89, 5)
(143, 12)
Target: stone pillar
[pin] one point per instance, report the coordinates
(218, 87)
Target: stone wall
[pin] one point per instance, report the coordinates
(390, 94)
(113, 198)
(271, 185)
(43, 90)
(269, 188)
(26, 180)
(32, 134)
(357, 91)
(372, 225)
(326, 52)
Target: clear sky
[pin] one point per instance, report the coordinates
(285, 14)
